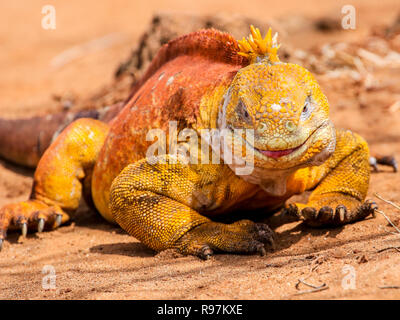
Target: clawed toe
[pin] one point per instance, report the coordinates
(292, 210)
(24, 229)
(385, 161)
(206, 253)
(40, 225)
(29, 215)
(341, 212)
(324, 216)
(242, 237)
(262, 251)
(369, 207)
(309, 213)
(265, 235)
(331, 216)
(58, 220)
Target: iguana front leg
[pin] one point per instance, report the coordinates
(156, 203)
(340, 185)
(57, 185)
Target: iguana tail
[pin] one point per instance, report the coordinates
(23, 141)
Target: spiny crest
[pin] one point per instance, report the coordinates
(255, 48)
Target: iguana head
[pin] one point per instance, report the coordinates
(283, 104)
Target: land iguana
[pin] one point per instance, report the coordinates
(204, 80)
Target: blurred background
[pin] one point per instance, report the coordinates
(92, 38)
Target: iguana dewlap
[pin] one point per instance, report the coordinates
(205, 80)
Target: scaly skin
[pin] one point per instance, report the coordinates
(205, 80)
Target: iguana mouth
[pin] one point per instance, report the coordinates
(279, 153)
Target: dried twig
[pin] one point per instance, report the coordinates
(372, 57)
(321, 288)
(388, 220)
(315, 263)
(391, 59)
(389, 287)
(387, 201)
(389, 248)
(384, 215)
(309, 285)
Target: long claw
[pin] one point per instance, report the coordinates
(58, 220)
(41, 225)
(272, 244)
(341, 210)
(24, 229)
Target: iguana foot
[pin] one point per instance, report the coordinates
(29, 215)
(243, 236)
(329, 215)
(385, 161)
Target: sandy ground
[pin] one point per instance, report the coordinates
(95, 260)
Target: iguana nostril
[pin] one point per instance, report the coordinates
(262, 127)
(290, 126)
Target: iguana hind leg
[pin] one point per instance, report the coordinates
(57, 185)
(339, 186)
(156, 203)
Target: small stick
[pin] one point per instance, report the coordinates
(309, 285)
(325, 287)
(387, 201)
(389, 287)
(315, 263)
(393, 225)
(389, 248)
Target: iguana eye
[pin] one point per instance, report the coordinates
(243, 111)
(307, 110)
